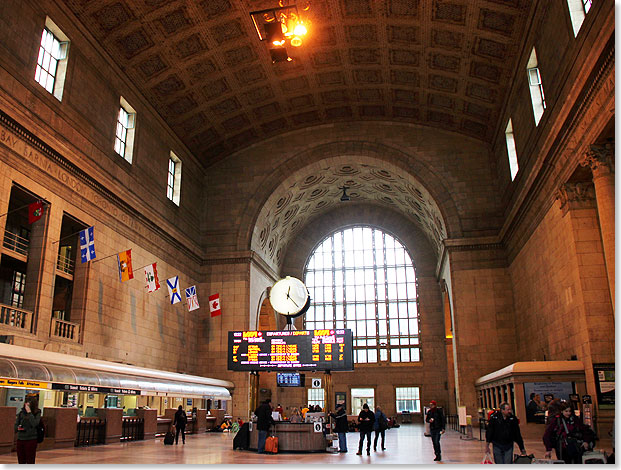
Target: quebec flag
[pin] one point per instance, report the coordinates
(87, 244)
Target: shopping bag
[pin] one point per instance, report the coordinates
(271, 445)
(487, 459)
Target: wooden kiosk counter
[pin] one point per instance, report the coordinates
(293, 437)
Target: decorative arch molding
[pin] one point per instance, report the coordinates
(318, 228)
(308, 184)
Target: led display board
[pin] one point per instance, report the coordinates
(290, 350)
(289, 379)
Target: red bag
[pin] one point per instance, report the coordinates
(271, 445)
(487, 459)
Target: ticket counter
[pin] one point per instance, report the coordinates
(293, 437)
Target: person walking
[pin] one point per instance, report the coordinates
(341, 425)
(379, 426)
(264, 421)
(567, 435)
(366, 418)
(503, 430)
(437, 424)
(26, 428)
(181, 419)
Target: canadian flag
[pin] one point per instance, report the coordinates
(214, 305)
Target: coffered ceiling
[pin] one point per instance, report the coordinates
(441, 63)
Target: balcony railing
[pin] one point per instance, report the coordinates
(65, 330)
(65, 265)
(16, 318)
(15, 243)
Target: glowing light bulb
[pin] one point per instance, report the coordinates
(296, 41)
(278, 43)
(300, 29)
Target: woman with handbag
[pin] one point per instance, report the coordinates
(26, 428)
(569, 437)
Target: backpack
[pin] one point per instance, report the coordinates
(40, 431)
(383, 423)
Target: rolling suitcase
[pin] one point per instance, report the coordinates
(594, 456)
(271, 445)
(169, 439)
(242, 438)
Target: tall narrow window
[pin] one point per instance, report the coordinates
(125, 124)
(52, 59)
(17, 290)
(536, 87)
(363, 279)
(316, 396)
(407, 399)
(578, 10)
(511, 152)
(173, 186)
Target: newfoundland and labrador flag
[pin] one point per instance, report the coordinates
(214, 305)
(191, 298)
(124, 260)
(150, 274)
(173, 290)
(87, 244)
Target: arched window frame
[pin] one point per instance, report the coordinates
(383, 314)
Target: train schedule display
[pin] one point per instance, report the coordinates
(290, 350)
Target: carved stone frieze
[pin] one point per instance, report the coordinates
(575, 196)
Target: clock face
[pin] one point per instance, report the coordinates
(288, 296)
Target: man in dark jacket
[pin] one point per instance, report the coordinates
(437, 424)
(340, 427)
(264, 421)
(503, 430)
(180, 421)
(366, 418)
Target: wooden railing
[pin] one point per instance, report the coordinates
(65, 330)
(15, 243)
(17, 318)
(65, 265)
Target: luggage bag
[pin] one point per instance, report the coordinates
(271, 445)
(242, 438)
(169, 439)
(523, 459)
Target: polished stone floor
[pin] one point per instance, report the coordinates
(405, 445)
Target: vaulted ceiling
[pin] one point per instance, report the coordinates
(442, 63)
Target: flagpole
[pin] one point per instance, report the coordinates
(105, 257)
(21, 207)
(67, 236)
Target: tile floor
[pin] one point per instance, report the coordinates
(405, 445)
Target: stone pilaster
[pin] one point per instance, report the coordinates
(600, 158)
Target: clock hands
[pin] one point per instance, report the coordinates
(289, 297)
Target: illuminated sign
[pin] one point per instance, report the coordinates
(22, 383)
(94, 388)
(290, 350)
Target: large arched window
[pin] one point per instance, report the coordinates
(363, 279)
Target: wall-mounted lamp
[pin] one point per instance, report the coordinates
(344, 196)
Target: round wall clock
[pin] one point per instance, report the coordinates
(290, 297)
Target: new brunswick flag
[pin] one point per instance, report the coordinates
(124, 259)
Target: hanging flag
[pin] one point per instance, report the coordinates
(150, 273)
(124, 259)
(87, 244)
(173, 290)
(214, 305)
(35, 211)
(191, 298)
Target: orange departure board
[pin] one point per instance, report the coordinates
(290, 350)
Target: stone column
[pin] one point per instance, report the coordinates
(600, 158)
(329, 403)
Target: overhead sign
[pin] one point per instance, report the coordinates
(5, 382)
(316, 383)
(290, 350)
(95, 389)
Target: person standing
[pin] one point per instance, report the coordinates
(26, 428)
(379, 426)
(503, 430)
(366, 418)
(435, 418)
(533, 407)
(264, 421)
(567, 435)
(341, 425)
(179, 422)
